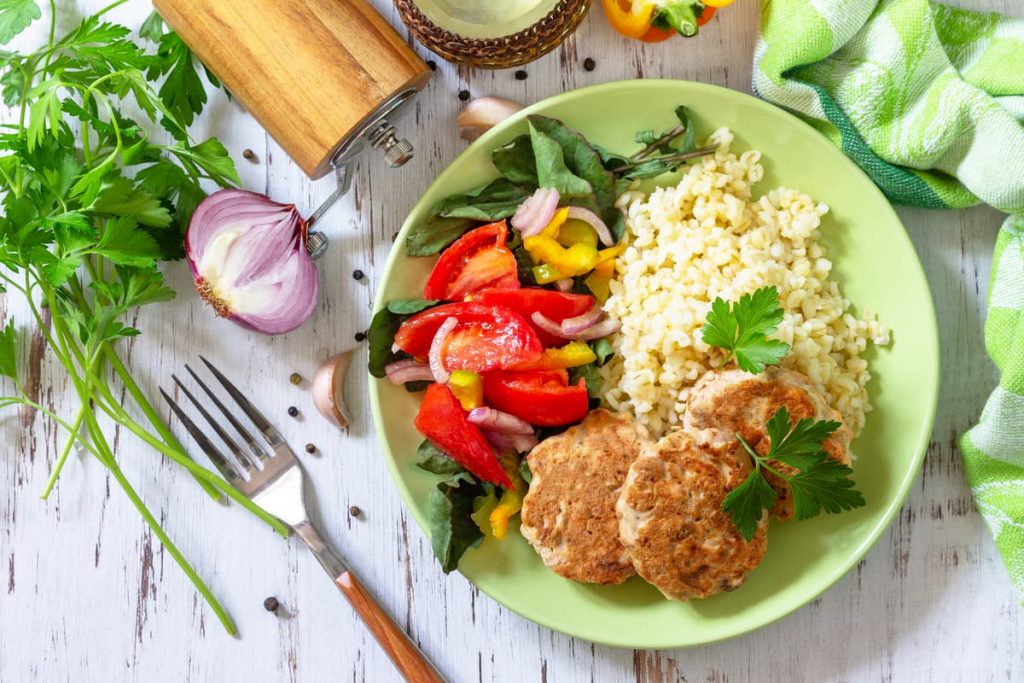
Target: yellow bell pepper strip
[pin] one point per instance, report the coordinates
(543, 249)
(545, 274)
(718, 3)
(510, 503)
(571, 355)
(578, 259)
(468, 387)
(610, 254)
(630, 18)
(552, 228)
(598, 281)
(577, 232)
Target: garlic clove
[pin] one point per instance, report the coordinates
(328, 388)
(482, 114)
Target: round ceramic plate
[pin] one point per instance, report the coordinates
(877, 268)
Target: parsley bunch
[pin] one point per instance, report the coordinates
(92, 202)
(820, 482)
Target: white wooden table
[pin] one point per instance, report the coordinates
(87, 594)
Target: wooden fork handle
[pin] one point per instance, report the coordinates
(407, 658)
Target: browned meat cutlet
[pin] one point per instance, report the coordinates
(569, 513)
(732, 401)
(671, 519)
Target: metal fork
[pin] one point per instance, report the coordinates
(272, 478)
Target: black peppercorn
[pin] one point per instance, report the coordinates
(463, 95)
(271, 604)
(355, 511)
(360, 336)
(293, 411)
(310, 448)
(432, 64)
(521, 75)
(248, 154)
(589, 64)
(358, 274)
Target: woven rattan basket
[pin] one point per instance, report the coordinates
(498, 52)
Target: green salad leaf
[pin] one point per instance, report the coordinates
(434, 461)
(384, 326)
(450, 513)
(515, 161)
(552, 168)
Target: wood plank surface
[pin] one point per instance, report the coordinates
(86, 594)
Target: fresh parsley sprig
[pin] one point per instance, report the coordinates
(91, 202)
(820, 483)
(742, 329)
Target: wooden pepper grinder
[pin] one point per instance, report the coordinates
(326, 78)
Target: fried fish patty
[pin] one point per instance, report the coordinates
(732, 401)
(568, 516)
(671, 519)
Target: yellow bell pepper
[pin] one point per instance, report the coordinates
(545, 274)
(571, 355)
(610, 253)
(551, 231)
(598, 281)
(543, 249)
(577, 232)
(510, 503)
(468, 387)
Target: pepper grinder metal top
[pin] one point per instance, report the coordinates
(325, 78)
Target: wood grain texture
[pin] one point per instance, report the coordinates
(310, 70)
(86, 594)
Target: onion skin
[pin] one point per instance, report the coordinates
(408, 370)
(582, 323)
(248, 258)
(328, 383)
(536, 211)
(596, 330)
(593, 220)
(497, 421)
(436, 355)
(520, 443)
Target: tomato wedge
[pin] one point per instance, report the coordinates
(486, 338)
(555, 305)
(443, 421)
(541, 397)
(478, 259)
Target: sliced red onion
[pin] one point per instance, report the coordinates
(408, 370)
(498, 421)
(595, 331)
(436, 355)
(594, 221)
(564, 285)
(249, 260)
(534, 214)
(601, 329)
(581, 323)
(520, 443)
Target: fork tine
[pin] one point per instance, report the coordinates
(212, 452)
(271, 434)
(224, 436)
(254, 445)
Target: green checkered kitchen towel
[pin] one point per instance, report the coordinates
(929, 101)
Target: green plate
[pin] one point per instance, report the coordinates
(877, 268)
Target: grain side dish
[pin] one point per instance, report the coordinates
(709, 236)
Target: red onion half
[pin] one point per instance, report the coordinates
(249, 260)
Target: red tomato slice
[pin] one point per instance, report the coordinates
(486, 338)
(555, 305)
(478, 259)
(542, 398)
(443, 421)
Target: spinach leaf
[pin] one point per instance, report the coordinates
(496, 200)
(584, 161)
(450, 509)
(435, 234)
(603, 350)
(590, 375)
(419, 385)
(383, 327)
(516, 162)
(524, 471)
(552, 166)
(524, 262)
(434, 461)
(410, 306)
